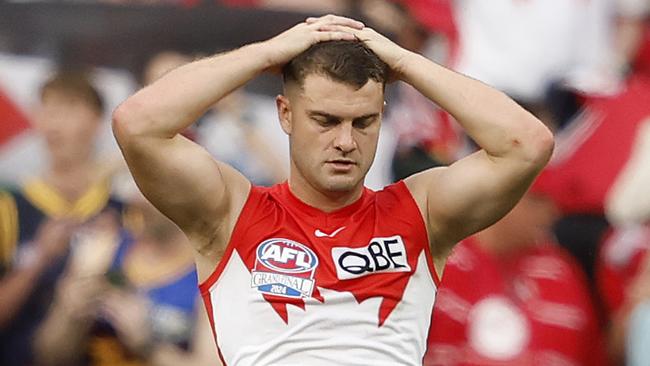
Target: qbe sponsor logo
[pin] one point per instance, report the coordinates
(381, 255)
(285, 268)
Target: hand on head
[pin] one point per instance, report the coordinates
(388, 51)
(298, 39)
(292, 42)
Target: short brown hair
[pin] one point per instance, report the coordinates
(349, 62)
(76, 84)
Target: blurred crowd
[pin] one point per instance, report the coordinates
(92, 274)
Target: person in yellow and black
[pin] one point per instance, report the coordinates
(38, 220)
(138, 306)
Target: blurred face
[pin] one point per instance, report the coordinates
(162, 63)
(530, 221)
(69, 126)
(333, 131)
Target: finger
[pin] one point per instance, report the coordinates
(335, 36)
(335, 19)
(338, 28)
(358, 35)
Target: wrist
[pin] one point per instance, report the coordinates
(403, 63)
(261, 52)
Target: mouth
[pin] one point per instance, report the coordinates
(54, 140)
(341, 164)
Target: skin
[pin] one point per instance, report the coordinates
(68, 125)
(333, 131)
(329, 159)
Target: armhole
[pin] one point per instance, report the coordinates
(253, 198)
(8, 228)
(401, 185)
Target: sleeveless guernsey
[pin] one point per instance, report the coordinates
(298, 286)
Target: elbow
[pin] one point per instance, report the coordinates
(131, 120)
(124, 122)
(537, 146)
(544, 145)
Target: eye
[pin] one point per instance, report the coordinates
(362, 123)
(325, 121)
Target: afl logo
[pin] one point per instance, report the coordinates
(286, 256)
(284, 267)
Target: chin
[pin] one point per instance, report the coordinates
(341, 184)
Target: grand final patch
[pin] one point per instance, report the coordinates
(284, 267)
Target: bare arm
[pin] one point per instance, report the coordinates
(175, 174)
(202, 196)
(476, 191)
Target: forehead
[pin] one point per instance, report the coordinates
(337, 98)
(65, 99)
(58, 96)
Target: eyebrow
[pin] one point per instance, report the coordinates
(327, 115)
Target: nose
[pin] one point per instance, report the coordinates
(344, 140)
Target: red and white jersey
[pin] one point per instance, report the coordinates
(531, 308)
(298, 286)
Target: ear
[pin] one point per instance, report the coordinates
(284, 113)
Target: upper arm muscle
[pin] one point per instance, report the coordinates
(468, 196)
(185, 183)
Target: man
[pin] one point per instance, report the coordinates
(319, 270)
(37, 220)
(510, 295)
(135, 304)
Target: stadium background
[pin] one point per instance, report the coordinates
(582, 66)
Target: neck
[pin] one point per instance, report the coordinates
(326, 201)
(70, 179)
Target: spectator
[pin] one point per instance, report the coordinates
(138, 308)
(509, 296)
(38, 219)
(623, 281)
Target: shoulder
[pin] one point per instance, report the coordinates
(420, 184)
(397, 195)
(393, 193)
